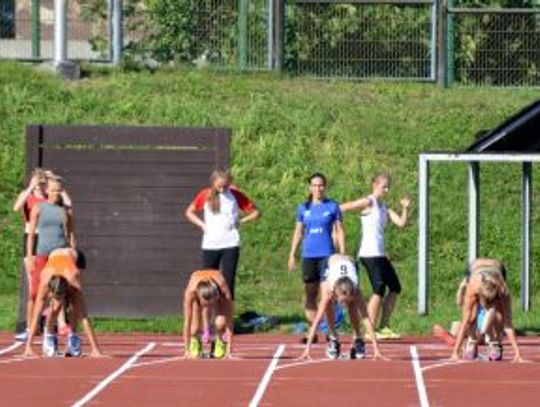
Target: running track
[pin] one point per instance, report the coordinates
(144, 370)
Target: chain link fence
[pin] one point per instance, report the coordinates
(221, 33)
(498, 47)
(27, 30)
(358, 39)
(361, 39)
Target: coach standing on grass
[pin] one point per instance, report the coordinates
(221, 204)
(316, 219)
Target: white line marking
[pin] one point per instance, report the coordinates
(159, 361)
(442, 364)
(304, 363)
(266, 378)
(10, 348)
(108, 380)
(422, 394)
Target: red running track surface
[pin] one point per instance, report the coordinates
(161, 377)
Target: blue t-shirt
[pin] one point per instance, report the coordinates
(318, 220)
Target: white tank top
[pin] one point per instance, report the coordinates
(341, 268)
(373, 224)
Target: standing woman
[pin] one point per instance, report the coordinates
(55, 224)
(316, 219)
(26, 200)
(221, 204)
(382, 275)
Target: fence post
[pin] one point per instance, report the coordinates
(116, 31)
(450, 44)
(243, 10)
(442, 39)
(36, 30)
(279, 33)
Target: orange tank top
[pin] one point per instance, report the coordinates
(205, 275)
(61, 265)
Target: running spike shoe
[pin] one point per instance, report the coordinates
(220, 349)
(333, 349)
(195, 347)
(74, 345)
(358, 350)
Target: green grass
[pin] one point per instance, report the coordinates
(284, 129)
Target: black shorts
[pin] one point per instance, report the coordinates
(313, 269)
(225, 260)
(25, 241)
(381, 274)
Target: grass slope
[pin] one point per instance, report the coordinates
(284, 129)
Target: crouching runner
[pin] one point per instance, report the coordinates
(207, 294)
(486, 311)
(340, 282)
(60, 284)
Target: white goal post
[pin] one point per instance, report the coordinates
(474, 160)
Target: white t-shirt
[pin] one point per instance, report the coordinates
(221, 231)
(373, 224)
(341, 268)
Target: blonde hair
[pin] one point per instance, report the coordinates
(344, 286)
(492, 287)
(207, 290)
(213, 197)
(379, 177)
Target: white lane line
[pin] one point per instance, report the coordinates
(159, 361)
(267, 376)
(422, 394)
(108, 380)
(11, 347)
(304, 363)
(442, 364)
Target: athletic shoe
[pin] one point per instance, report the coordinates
(74, 345)
(220, 349)
(471, 350)
(22, 336)
(495, 351)
(387, 333)
(49, 345)
(333, 349)
(195, 347)
(358, 350)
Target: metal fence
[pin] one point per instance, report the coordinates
(27, 30)
(361, 39)
(499, 47)
(390, 39)
(221, 33)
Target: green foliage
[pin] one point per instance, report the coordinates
(283, 130)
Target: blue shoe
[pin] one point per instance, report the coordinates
(49, 345)
(358, 350)
(22, 336)
(74, 345)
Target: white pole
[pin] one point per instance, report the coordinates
(526, 202)
(474, 195)
(60, 31)
(423, 229)
(117, 32)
